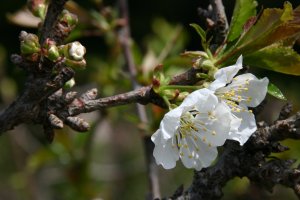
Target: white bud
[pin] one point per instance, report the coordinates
(76, 51)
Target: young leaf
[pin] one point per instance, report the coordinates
(275, 92)
(200, 31)
(243, 10)
(275, 58)
(273, 26)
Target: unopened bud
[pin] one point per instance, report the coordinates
(37, 7)
(182, 96)
(50, 50)
(55, 121)
(171, 94)
(204, 63)
(90, 94)
(29, 43)
(77, 124)
(53, 53)
(70, 83)
(68, 19)
(76, 51)
(69, 97)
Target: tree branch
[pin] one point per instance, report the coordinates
(252, 161)
(54, 10)
(216, 20)
(31, 106)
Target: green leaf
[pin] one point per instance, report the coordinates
(200, 31)
(273, 26)
(275, 92)
(243, 10)
(276, 58)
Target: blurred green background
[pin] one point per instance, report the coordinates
(108, 161)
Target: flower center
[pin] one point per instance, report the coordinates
(188, 133)
(234, 95)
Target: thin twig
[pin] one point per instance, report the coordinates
(124, 36)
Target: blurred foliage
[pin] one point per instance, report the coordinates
(108, 161)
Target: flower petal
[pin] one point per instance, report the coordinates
(253, 90)
(207, 101)
(226, 74)
(247, 127)
(196, 97)
(200, 158)
(164, 154)
(214, 128)
(170, 123)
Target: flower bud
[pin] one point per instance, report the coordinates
(170, 94)
(29, 43)
(70, 83)
(76, 51)
(208, 65)
(37, 7)
(50, 50)
(73, 51)
(53, 53)
(68, 19)
(204, 63)
(182, 96)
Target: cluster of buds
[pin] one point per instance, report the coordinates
(29, 46)
(56, 119)
(66, 22)
(71, 54)
(160, 85)
(202, 61)
(38, 8)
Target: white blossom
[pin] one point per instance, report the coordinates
(193, 131)
(76, 51)
(239, 93)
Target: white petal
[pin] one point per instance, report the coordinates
(170, 122)
(215, 129)
(226, 74)
(196, 97)
(257, 88)
(164, 154)
(201, 157)
(207, 100)
(247, 127)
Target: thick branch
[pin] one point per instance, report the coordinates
(27, 107)
(54, 10)
(216, 20)
(250, 160)
(30, 106)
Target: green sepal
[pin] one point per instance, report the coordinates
(75, 64)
